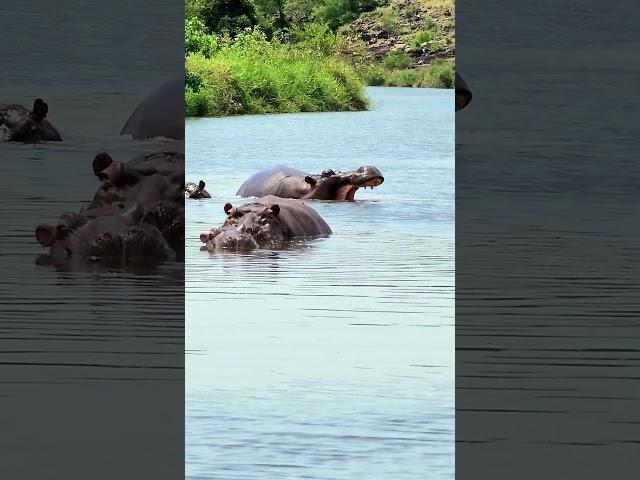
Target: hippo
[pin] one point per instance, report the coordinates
(191, 190)
(19, 124)
(268, 222)
(169, 164)
(289, 182)
(106, 234)
(160, 114)
(153, 181)
(463, 93)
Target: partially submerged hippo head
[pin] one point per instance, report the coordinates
(266, 223)
(191, 190)
(19, 124)
(332, 185)
(108, 234)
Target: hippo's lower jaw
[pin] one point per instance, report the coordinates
(348, 191)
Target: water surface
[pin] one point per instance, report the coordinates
(333, 360)
(91, 353)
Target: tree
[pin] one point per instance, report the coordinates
(231, 16)
(273, 8)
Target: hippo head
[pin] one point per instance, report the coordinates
(103, 234)
(33, 127)
(331, 185)
(247, 227)
(106, 169)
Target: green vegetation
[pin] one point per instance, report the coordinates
(250, 74)
(273, 56)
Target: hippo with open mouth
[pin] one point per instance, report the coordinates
(289, 182)
(106, 234)
(19, 124)
(268, 222)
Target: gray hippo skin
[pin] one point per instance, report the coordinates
(289, 182)
(196, 191)
(463, 93)
(136, 216)
(154, 181)
(19, 124)
(268, 222)
(161, 114)
(107, 234)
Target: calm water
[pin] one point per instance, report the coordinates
(547, 248)
(335, 360)
(85, 336)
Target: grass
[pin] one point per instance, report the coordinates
(439, 74)
(252, 75)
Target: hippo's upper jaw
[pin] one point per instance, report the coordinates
(343, 186)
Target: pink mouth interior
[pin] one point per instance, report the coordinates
(348, 192)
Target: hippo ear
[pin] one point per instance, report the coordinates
(46, 235)
(227, 208)
(275, 209)
(310, 180)
(100, 162)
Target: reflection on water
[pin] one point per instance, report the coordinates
(333, 359)
(107, 343)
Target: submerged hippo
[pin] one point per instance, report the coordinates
(267, 222)
(463, 93)
(107, 234)
(191, 190)
(161, 114)
(289, 182)
(19, 124)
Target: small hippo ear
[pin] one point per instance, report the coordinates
(46, 235)
(201, 185)
(275, 209)
(227, 208)
(310, 180)
(100, 162)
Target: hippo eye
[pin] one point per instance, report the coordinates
(327, 173)
(361, 170)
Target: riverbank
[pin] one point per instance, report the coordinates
(251, 75)
(318, 61)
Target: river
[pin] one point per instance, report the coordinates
(335, 360)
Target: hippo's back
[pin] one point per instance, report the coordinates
(161, 114)
(297, 219)
(265, 182)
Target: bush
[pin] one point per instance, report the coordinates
(388, 20)
(253, 75)
(196, 39)
(396, 61)
(338, 12)
(441, 74)
(374, 76)
(232, 16)
(403, 78)
(422, 37)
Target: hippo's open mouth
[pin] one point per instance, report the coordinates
(348, 191)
